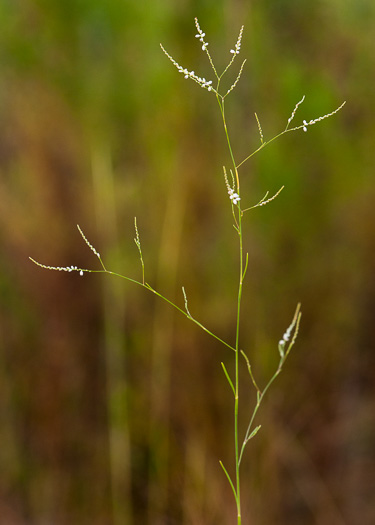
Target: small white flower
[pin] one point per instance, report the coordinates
(237, 47)
(305, 124)
(295, 109)
(81, 273)
(234, 197)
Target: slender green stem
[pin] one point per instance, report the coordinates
(237, 372)
(265, 143)
(221, 103)
(150, 289)
(260, 394)
(260, 398)
(239, 297)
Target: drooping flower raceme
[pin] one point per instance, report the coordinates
(207, 84)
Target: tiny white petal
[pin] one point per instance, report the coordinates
(81, 273)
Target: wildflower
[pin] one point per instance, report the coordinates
(315, 120)
(286, 336)
(207, 84)
(201, 35)
(237, 47)
(294, 110)
(234, 197)
(58, 268)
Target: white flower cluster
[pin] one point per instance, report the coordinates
(207, 84)
(237, 47)
(312, 121)
(286, 336)
(295, 109)
(234, 197)
(88, 244)
(201, 35)
(59, 268)
(315, 120)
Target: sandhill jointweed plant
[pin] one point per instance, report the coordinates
(232, 183)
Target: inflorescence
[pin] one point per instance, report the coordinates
(207, 84)
(72, 268)
(288, 337)
(201, 35)
(59, 268)
(312, 121)
(233, 195)
(237, 47)
(315, 120)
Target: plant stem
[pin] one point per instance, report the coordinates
(150, 289)
(236, 366)
(239, 297)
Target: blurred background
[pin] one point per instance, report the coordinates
(113, 407)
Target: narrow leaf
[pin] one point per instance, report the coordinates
(230, 481)
(228, 378)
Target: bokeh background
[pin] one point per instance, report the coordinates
(113, 408)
